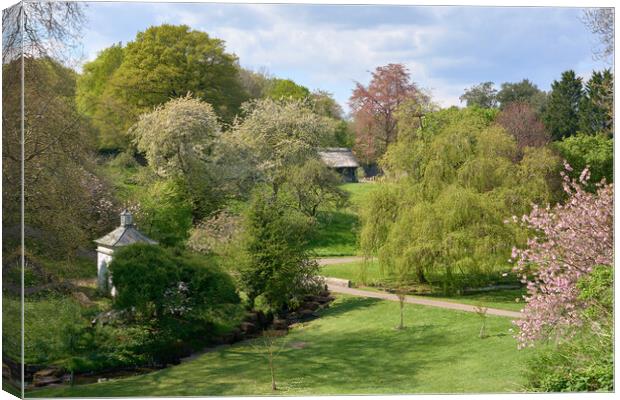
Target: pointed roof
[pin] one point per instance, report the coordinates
(338, 157)
(124, 235)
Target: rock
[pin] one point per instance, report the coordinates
(252, 317)
(6, 371)
(311, 305)
(307, 314)
(49, 372)
(338, 282)
(248, 328)
(83, 299)
(280, 324)
(47, 376)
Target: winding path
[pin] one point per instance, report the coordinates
(339, 260)
(421, 301)
(408, 299)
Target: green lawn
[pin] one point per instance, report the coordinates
(352, 272)
(352, 349)
(502, 299)
(337, 234)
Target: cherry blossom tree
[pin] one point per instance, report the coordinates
(571, 240)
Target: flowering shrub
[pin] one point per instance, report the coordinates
(571, 239)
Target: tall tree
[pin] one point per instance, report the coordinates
(42, 29)
(561, 115)
(165, 62)
(178, 139)
(91, 101)
(374, 106)
(276, 136)
(255, 83)
(483, 95)
(440, 214)
(279, 89)
(275, 262)
(524, 92)
(597, 104)
(324, 104)
(520, 120)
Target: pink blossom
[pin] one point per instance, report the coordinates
(570, 239)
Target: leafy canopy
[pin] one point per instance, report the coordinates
(521, 92)
(596, 152)
(483, 95)
(162, 63)
(275, 136)
(178, 141)
(275, 263)
(374, 108)
(450, 186)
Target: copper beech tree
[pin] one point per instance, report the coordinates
(373, 108)
(520, 120)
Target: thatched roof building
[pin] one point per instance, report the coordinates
(342, 160)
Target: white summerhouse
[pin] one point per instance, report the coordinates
(124, 235)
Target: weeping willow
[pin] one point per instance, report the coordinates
(450, 186)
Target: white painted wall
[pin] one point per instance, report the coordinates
(104, 279)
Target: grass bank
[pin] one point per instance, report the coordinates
(352, 349)
(338, 229)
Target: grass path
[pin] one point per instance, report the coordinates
(352, 349)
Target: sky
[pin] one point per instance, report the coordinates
(329, 47)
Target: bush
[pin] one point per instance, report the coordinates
(124, 160)
(46, 339)
(585, 362)
(171, 299)
(577, 366)
(214, 234)
(595, 151)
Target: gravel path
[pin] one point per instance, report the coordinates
(421, 301)
(339, 260)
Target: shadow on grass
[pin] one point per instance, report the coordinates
(348, 304)
(356, 353)
(337, 232)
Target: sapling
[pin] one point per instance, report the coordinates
(482, 313)
(270, 345)
(401, 300)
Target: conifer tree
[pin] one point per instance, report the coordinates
(596, 107)
(561, 115)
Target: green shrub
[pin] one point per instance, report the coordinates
(124, 160)
(52, 328)
(595, 151)
(584, 362)
(275, 263)
(171, 299)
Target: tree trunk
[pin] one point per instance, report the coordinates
(420, 275)
(273, 372)
(401, 300)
